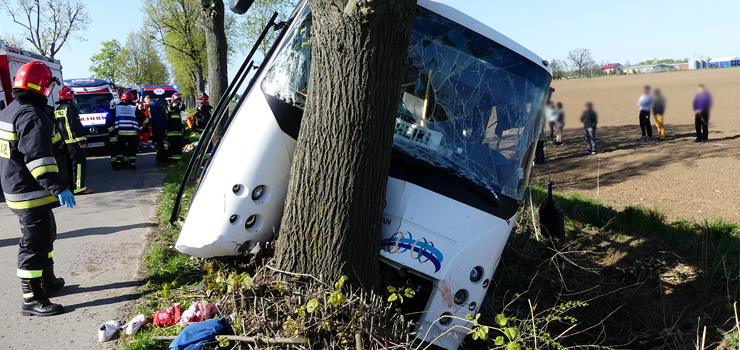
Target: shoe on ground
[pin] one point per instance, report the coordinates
(705, 141)
(588, 153)
(133, 168)
(559, 144)
(643, 138)
(650, 139)
(108, 330)
(697, 140)
(86, 192)
(135, 324)
(49, 281)
(593, 153)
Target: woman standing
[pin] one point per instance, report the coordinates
(559, 125)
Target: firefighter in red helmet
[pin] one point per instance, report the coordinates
(34, 168)
(174, 126)
(73, 134)
(125, 119)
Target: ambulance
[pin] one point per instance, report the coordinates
(92, 98)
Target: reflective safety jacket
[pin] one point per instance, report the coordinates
(34, 163)
(124, 117)
(174, 120)
(68, 123)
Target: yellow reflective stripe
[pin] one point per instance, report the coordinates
(31, 203)
(51, 254)
(79, 139)
(56, 138)
(10, 136)
(33, 86)
(80, 190)
(29, 273)
(27, 295)
(128, 133)
(79, 176)
(44, 169)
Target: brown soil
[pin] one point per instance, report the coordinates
(685, 179)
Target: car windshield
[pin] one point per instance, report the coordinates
(93, 103)
(467, 103)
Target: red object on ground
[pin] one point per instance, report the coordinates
(167, 317)
(198, 312)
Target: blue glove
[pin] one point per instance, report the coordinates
(67, 199)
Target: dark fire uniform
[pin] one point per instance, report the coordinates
(174, 131)
(34, 166)
(73, 134)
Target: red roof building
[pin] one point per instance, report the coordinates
(617, 68)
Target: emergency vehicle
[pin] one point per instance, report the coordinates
(92, 98)
(11, 59)
(470, 111)
(159, 92)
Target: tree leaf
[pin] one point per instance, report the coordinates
(393, 297)
(312, 305)
(511, 332)
(513, 346)
(501, 320)
(337, 298)
(392, 289)
(409, 293)
(499, 341)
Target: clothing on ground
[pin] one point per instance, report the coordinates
(196, 336)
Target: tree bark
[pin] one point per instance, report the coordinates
(333, 212)
(216, 47)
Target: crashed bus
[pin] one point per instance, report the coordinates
(469, 113)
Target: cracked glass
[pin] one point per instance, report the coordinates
(467, 104)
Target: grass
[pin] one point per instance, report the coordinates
(623, 279)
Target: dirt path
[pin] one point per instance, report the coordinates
(686, 179)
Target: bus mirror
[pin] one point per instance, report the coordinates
(240, 6)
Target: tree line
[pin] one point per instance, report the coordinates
(580, 63)
(186, 42)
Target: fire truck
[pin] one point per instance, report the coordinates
(92, 98)
(11, 59)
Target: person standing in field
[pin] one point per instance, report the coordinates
(645, 102)
(590, 120)
(702, 105)
(551, 115)
(658, 111)
(559, 125)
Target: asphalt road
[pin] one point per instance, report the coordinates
(98, 252)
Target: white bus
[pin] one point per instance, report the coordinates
(469, 114)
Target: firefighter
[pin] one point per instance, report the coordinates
(126, 126)
(200, 119)
(174, 126)
(116, 156)
(73, 134)
(144, 130)
(34, 168)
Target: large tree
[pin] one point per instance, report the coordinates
(333, 212)
(48, 24)
(216, 46)
(139, 63)
(580, 59)
(103, 64)
(178, 27)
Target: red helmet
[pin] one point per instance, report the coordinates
(66, 93)
(37, 77)
(127, 96)
(176, 97)
(204, 101)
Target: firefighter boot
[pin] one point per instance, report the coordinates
(35, 300)
(50, 282)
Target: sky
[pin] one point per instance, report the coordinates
(629, 30)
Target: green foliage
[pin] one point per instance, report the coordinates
(103, 64)
(139, 63)
(258, 17)
(397, 294)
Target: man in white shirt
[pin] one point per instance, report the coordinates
(645, 103)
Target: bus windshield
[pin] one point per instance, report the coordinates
(466, 103)
(93, 103)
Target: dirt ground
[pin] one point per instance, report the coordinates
(685, 179)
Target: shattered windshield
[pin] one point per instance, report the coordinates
(466, 103)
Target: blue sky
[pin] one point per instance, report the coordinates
(622, 31)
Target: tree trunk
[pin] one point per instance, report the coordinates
(333, 212)
(200, 83)
(216, 47)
